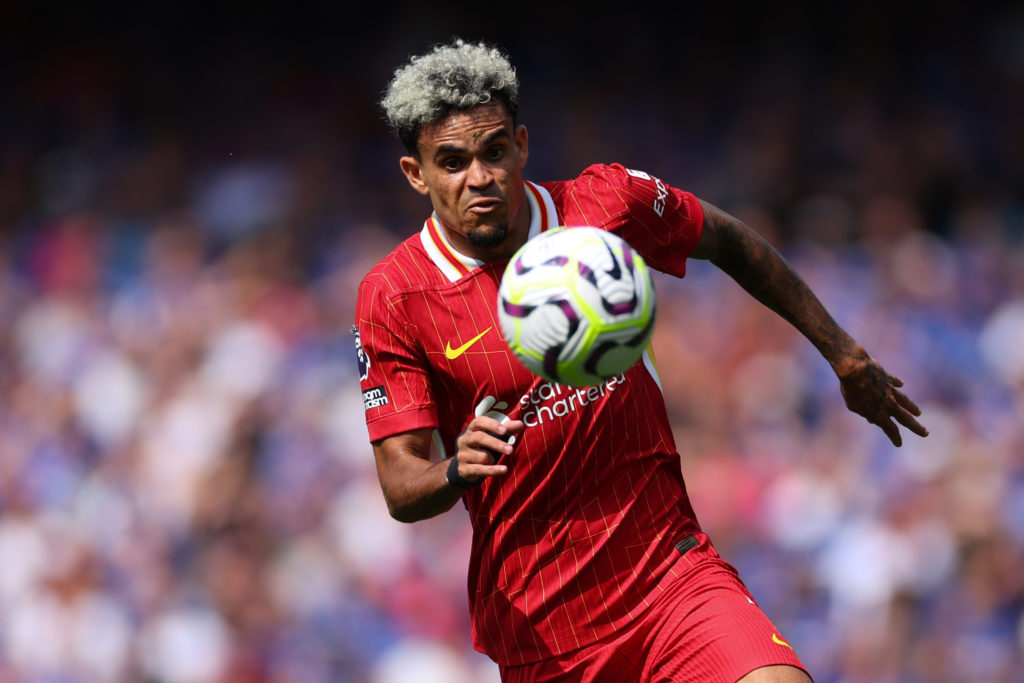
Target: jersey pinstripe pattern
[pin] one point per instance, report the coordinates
(577, 538)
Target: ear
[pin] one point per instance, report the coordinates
(413, 171)
(523, 145)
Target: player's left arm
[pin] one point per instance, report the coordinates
(752, 262)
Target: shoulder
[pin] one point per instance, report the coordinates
(610, 173)
(401, 270)
(598, 176)
(626, 184)
(608, 192)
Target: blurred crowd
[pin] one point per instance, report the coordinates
(187, 494)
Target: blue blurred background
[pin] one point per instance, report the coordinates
(190, 194)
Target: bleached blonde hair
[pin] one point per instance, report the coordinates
(457, 76)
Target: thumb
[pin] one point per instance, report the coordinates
(484, 405)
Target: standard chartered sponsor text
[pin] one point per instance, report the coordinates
(550, 400)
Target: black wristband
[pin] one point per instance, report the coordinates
(455, 479)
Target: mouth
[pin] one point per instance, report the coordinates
(485, 205)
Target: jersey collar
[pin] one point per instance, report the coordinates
(456, 265)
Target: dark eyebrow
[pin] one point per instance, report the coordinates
(453, 149)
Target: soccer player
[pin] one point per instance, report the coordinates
(587, 561)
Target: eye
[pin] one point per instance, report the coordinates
(451, 163)
(496, 152)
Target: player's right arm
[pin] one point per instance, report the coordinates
(416, 488)
(401, 412)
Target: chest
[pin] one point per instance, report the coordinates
(458, 333)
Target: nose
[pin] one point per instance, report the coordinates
(479, 174)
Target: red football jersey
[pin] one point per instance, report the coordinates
(575, 540)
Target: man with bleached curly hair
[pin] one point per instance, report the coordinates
(587, 563)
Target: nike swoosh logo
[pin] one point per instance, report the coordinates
(780, 641)
(452, 354)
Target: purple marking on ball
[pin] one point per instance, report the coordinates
(551, 362)
(517, 310)
(557, 261)
(570, 314)
(587, 273)
(521, 267)
(622, 307)
(627, 256)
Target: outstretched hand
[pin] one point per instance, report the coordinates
(872, 392)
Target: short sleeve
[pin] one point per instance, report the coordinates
(393, 375)
(661, 222)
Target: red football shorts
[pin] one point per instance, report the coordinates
(703, 628)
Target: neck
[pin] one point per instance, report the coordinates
(518, 231)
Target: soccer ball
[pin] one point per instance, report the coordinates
(577, 305)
